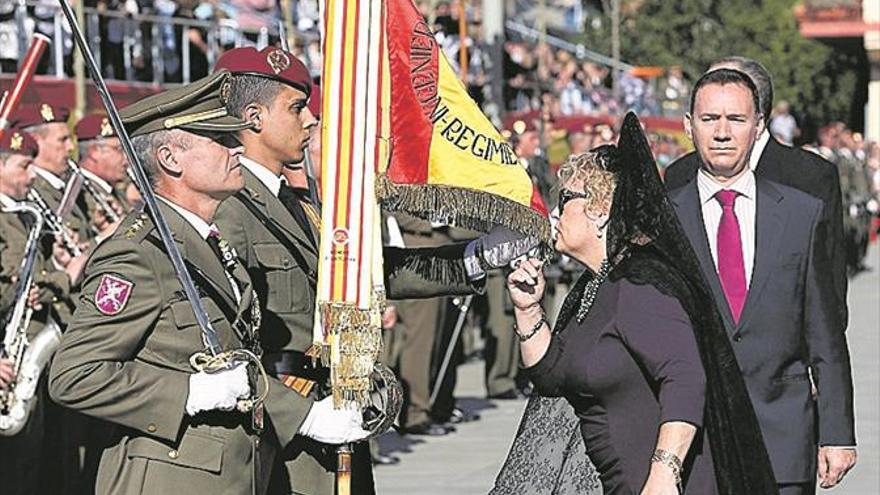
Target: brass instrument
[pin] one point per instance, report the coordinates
(54, 223)
(99, 196)
(28, 357)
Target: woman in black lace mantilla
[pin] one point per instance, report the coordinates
(638, 375)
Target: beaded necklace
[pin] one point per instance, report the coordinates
(592, 289)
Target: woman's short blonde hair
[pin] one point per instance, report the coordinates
(586, 169)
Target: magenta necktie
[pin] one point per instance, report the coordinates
(731, 268)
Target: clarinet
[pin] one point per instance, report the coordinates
(99, 196)
(54, 223)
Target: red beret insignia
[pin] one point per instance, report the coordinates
(278, 61)
(16, 141)
(112, 294)
(47, 113)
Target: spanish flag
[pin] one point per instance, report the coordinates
(447, 161)
(399, 129)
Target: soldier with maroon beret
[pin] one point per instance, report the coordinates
(103, 165)
(21, 473)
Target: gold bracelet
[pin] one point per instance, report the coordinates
(671, 461)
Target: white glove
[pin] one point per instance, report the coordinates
(220, 390)
(334, 426)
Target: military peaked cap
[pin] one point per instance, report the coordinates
(199, 107)
(270, 62)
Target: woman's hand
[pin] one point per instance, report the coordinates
(661, 481)
(526, 284)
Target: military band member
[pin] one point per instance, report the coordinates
(275, 232)
(48, 126)
(102, 162)
(126, 356)
(21, 472)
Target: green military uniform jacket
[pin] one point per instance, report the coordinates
(54, 284)
(284, 283)
(131, 368)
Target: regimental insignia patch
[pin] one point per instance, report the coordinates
(47, 113)
(16, 142)
(112, 294)
(278, 61)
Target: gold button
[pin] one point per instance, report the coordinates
(151, 428)
(257, 442)
(54, 299)
(173, 454)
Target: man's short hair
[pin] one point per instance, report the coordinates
(722, 77)
(37, 130)
(246, 89)
(758, 74)
(145, 146)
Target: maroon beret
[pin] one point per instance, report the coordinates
(94, 126)
(18, 142)
(34, 115)
(270, 62)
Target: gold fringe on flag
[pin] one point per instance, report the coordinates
(461, 207)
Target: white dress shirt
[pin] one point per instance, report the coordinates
(264, 175)
(744, 209)
(56, 182)
(6, 201)
(204, 231)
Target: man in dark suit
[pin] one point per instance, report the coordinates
(792, 167)
(762, 248)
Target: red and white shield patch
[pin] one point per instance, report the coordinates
(112, 294)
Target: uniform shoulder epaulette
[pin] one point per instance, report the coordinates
(139, 228)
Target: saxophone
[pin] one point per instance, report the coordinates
(54, 223)
(28, 357)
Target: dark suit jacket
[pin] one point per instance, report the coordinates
(803, 171)
(787, 327)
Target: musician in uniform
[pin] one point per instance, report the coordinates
(126, 357)
(275, 231)
(103, 165)
(20, 471)
(48, 126)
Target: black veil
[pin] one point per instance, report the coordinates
(647, 245)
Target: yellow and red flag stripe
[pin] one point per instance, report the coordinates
(447, 162)
(350, 291)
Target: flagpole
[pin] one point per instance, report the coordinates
(462, 46)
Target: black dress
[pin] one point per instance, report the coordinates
(631, 365)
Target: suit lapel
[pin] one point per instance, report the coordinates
(197, 253)
(274, 209)
(686, 202)
(770, 217)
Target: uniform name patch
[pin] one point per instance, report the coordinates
(112, 294)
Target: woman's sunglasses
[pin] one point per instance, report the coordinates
(566, 195)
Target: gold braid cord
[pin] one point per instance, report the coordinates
(204, 361)
(355, 341)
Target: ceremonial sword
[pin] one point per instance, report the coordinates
(209, 335)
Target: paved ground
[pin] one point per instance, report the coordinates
(466, 462)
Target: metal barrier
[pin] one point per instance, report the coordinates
(165, 38)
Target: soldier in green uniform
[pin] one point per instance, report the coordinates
(21, 469)
(102, 163)
(126, 356)
(275, 231)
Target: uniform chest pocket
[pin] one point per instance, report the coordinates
(198, 451)
(287, 288)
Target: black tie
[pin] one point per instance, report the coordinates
(290, 199)
(222, 250)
